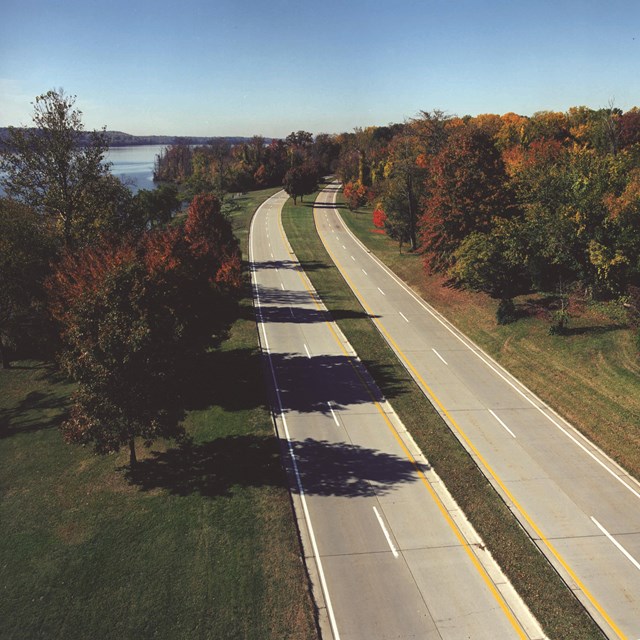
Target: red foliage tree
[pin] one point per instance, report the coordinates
(465, 190)
(379, 217)
(134, 316)
(630, 128)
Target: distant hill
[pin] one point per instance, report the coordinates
(121, 139)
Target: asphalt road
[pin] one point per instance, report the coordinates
(389, 553)
(581, 508)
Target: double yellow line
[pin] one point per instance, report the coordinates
(436, 401)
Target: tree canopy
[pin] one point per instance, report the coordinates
(50, 169)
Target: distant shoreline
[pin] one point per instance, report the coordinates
(121, 139)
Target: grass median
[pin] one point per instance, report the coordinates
(560, 613)
(202, 545)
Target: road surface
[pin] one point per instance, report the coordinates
(581, 508)
(389, 553)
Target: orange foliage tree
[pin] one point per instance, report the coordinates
(356, 194)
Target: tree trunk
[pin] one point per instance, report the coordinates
(4, 354)
(412, 216)
(133, 460)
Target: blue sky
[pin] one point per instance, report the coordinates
(239, 67)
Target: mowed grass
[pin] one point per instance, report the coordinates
(201, 544)
(562, 616)
(591, 376)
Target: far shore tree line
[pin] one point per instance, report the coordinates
(295, 163)
(126, 296)
(509, 204)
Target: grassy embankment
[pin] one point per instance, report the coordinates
(536, 581)
(591, 376)
(202, 545)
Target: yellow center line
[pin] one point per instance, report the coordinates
(479, 456)
(443, 510)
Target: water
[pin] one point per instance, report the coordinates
(134, 165)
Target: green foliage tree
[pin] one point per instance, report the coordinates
(300, 181)
(26, 248)
(404, 186)
(157, 206)
(51, 168)
(492, 261)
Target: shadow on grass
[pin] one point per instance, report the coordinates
(215, 468)
(230, 379)
(37, 410)
(594, 330)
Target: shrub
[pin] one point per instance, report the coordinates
(506, 311)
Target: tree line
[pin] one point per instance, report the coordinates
(295, 163)
(508, 204)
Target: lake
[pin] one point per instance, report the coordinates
(134, 165)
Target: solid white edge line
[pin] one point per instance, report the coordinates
(386, 533)
(488, 361)
(502, 423)
(335, 419)
(439, 356)
(403, 316)
(617, 544)
(296, 471)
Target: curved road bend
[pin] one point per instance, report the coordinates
(581, 508)
(386, 556)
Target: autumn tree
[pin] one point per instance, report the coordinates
(174, 163)
(356, 194)
(133, 316)
(465, 190)
(51, 167)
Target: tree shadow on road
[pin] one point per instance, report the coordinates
(215, 468)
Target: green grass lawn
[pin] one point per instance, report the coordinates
(537, 582)
(202, 544)
(590, 376)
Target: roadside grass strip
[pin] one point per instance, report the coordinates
(544, 592)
